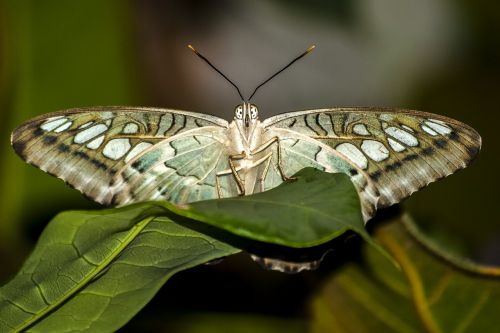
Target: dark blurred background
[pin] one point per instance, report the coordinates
(441, 56)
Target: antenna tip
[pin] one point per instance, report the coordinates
(310, 48)
(192, 48)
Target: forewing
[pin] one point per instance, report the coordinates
(181, 169)
(87, 147)
(400, 150)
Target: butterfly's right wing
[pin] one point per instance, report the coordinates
(88, 147)
(401, 151)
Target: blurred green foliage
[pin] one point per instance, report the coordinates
(429, 293)
(57, 55)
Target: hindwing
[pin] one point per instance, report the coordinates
(180, 169)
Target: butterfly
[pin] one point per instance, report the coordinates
(121, 155)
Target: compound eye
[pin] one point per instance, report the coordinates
(239, 112)
(253, 112)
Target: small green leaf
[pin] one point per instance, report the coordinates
(433, 292)
(315, 208)
(93, 271)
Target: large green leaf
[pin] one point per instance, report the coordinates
(434, 291)
(309, 211)
(92, 271)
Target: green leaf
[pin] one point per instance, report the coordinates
(93, 271)
(315, 208)
(434, 291)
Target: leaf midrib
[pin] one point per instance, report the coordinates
(414, 280)
(136, 229)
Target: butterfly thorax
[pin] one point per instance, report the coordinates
(245, 137)
(246, 128)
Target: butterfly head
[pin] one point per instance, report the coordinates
(247, 114)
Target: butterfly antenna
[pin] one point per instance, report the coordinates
(306, 52)
(215, 68)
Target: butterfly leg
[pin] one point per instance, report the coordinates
(217, 182)
(233, 170)
(239, 181)
(266, 145)
(262, 178)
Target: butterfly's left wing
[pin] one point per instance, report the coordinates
(88, 147)
(401, 151)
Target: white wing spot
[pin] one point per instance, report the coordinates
(396, 146)
(90, 133)
(408, 128)
(53, 123)
(137, 150)
(353, 153)
(96, 143)
(87, 124)
(59, 117)
(63, 127)
(441, 129)
(360, 129)
(116, 148)
(375, 150)
(402, 136)
(131, 128)
(429, 130)
(437, 121)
